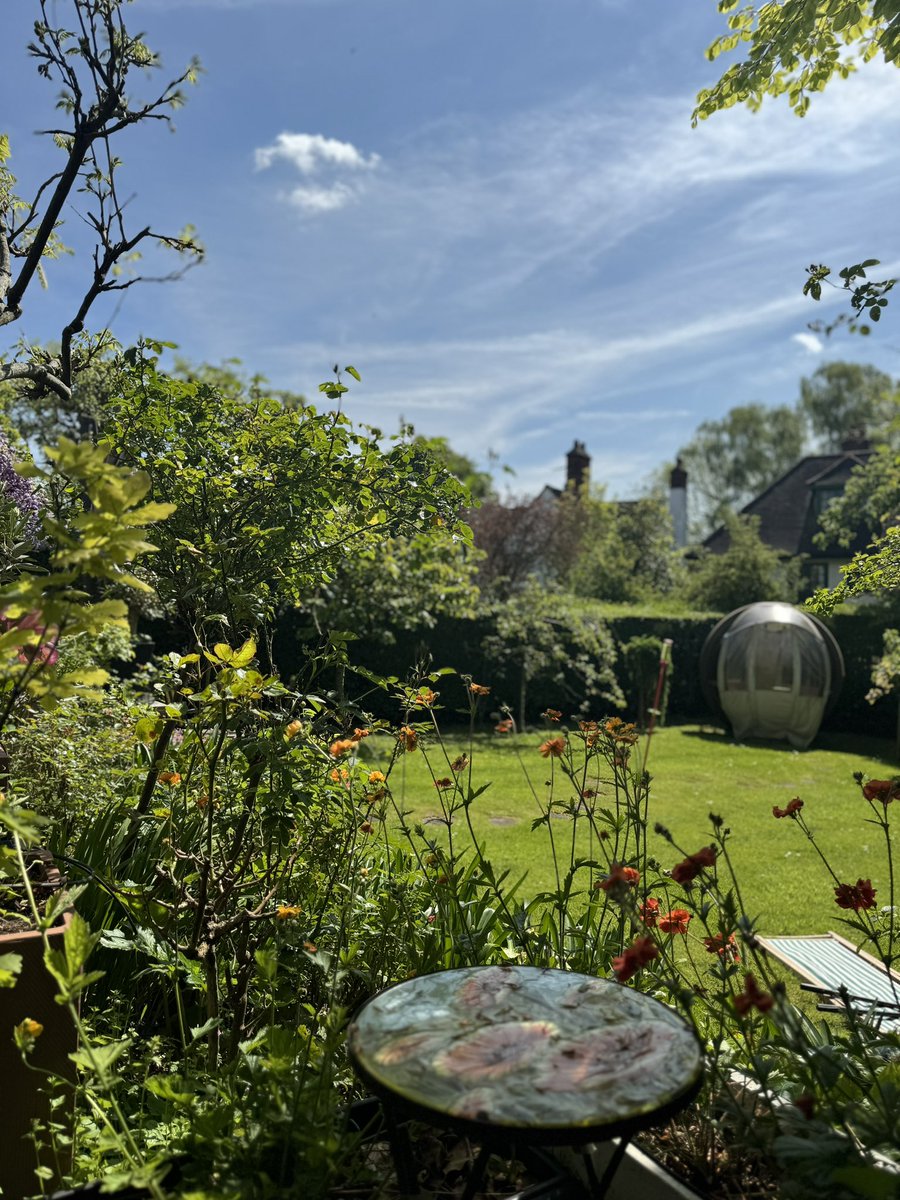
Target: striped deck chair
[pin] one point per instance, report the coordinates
(828, 963)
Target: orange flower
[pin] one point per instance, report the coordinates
(376, 777)
(619, 731)
(793, 806)
(407, 739)
(591, 732)
(676, 921)
(341, 746)
(554, 748)
(340, 775)
(478, 689)
(724, 947)
(687, 870)
(504, 726)
(426, 698)
(309, 947)
(752, 997)
(443, 785)
(202, 801)
(359, 734)
(291, 730)
(172, 778)
(285, 912)
(552, 714)
(649, 911)
(642, 951)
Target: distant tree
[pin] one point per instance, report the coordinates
(536, 538)
(404, 582)
(734, 459)
(624, 551)
(847, 400)
(540, 637)
(746, 572)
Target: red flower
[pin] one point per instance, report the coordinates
(642, 951)
(649, 911)
(793, 806)
(881, 789)
(752, 997)
(676, 921)
(724, 947)
(554, 748)
(807, 1105)
(504, 726)
(690, 868)
(857, 895)
(443, 785)
(619, 879)
(552, 714)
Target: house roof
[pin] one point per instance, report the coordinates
(788, 520)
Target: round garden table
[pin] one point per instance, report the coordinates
(523, 1057)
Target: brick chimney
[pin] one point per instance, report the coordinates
(578, 467)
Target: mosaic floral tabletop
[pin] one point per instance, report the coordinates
(525, 1048)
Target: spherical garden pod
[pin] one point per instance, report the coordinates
(772, 671)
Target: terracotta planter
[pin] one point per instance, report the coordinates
(21, 1096)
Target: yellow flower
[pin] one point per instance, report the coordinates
(285, 912)
(26, 1032)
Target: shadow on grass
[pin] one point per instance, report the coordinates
(879, 748)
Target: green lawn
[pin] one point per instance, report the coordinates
(696, 771)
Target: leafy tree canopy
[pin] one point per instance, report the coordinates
(270, 501)
(847, 400)
(796, 47)
(479, 483)
(748, 571)
(734, 459)
(625, 551)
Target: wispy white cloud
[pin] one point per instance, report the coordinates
(321, 199)
(308, 152)
(809, 342)
(313, 154)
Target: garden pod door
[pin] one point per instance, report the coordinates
(774, 674)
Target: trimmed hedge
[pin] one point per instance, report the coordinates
(459, 644)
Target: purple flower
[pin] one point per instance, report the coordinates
(20, 493)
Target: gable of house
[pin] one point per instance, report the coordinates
(789, 511)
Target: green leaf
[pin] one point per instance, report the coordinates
(353, 371)
(10, 966)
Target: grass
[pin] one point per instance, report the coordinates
(696, 771)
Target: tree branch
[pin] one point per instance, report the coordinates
(37, 374)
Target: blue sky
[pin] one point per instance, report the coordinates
(496, 210)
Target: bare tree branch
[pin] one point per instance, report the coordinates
(37, 374)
